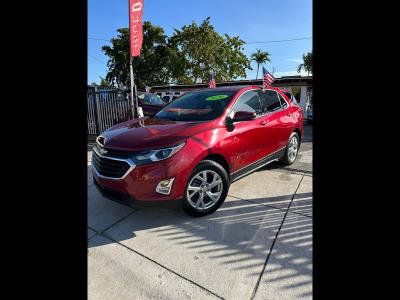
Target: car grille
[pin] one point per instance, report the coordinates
(109, 167)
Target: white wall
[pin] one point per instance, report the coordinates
(303, 97)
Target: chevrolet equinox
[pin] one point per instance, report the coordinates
(196, 146)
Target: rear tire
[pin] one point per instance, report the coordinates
(292, 149)
(206, 189)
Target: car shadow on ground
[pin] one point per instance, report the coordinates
(278, 166)
(239, 234)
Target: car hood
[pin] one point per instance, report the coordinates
(147, 133)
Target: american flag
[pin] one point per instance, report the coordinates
(147, 88)
(212, 84)
(268, 79)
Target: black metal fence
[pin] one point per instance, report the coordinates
(106, 107)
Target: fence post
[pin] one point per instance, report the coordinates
(96, 111)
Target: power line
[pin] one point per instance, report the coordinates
(96, 39)
(95, 58)
(265, 42)
(279, 41)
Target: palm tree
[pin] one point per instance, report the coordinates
(260, 57)
(307, 63)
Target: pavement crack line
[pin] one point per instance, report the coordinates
(96, 234)
(162, 266)
(92, 229)
(115, 223)
(273, 243)
(272, 206)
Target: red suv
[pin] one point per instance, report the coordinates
(196, 146)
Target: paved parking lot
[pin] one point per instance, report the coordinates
(258, 245)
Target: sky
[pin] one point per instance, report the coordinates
(252, 21)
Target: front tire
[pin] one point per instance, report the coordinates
(206, 189)
(292, 149)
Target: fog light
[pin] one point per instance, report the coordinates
(164, 187)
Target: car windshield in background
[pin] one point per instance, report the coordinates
(149, 98)
(196, 106)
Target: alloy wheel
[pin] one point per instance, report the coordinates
(204, 190)
(293, 147)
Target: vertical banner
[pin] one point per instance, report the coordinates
(135, 26)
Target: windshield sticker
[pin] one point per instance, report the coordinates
(216, 97)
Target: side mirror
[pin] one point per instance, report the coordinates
(240, 116)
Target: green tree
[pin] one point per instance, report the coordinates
(307, 63)
(198, 50)
(152, 67)
(104, 82)
(260, 57)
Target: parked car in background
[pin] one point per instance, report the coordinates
(169, 98)
(150, 103)
(196, 146)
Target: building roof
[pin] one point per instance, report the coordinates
(286, 80)
(233, 88)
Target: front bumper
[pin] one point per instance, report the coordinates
(140, 182)
(126, 199)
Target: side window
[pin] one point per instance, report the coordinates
(282, 101)
(249, 101)
(270, 101)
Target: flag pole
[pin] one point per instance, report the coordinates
(262, 82)
(133, 91)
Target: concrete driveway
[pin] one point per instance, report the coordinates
(258, 245)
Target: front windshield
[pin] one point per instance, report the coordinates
(197, 106)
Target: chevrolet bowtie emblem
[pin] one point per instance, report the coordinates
(103, 151)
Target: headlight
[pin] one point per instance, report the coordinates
(156, 155)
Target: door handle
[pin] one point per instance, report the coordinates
(289, 114)
(263, 123)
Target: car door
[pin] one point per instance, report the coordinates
(268, 123)
(285, 121)
(247, 141)
(278, 117)
(271, 105)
